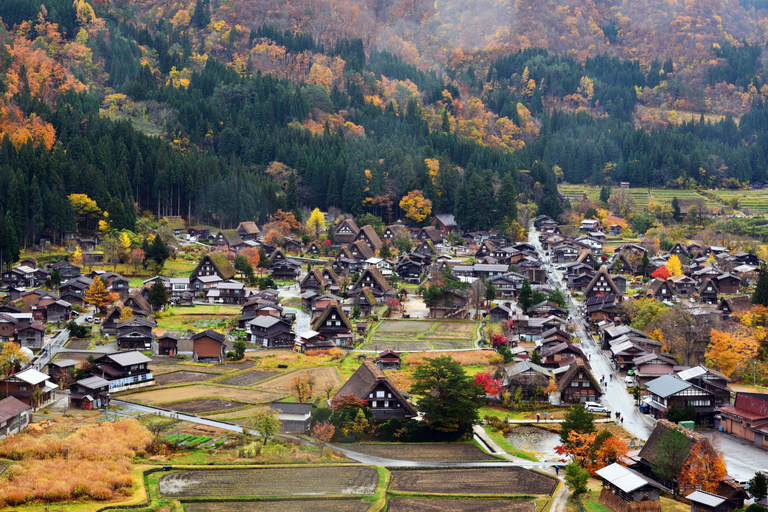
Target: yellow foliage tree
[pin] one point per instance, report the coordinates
(105, 225)
(674, 266)
(86, 210)
(126, 313)
(586, 88)
(125, 245)
(96, 295)
(726, 351)
(77, 257)
(316, 221)
(416, 206)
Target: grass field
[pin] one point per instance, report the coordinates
(317, 505)
(196, 318)
(755, 200)
(495, 481)
(422, 335)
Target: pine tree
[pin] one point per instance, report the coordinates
(446, 124)
(158, 294)
(605, 194)
(676, 214)
(645, 263)
(525, 298)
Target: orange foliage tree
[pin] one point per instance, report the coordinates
(416, 206)
(252, 255)
(704, 469)
(727, 351)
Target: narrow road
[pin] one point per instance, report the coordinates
(56, 345)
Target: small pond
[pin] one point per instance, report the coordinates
(536, 441)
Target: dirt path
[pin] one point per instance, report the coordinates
(559, 501)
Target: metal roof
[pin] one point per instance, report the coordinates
(265, 321)
(32, 376)
(706, 498)
(129, 358)
(626, 479)
(667, 385)
(93, 382)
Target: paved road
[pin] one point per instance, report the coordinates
(56, 344)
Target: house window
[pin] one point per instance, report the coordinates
(373, 404)
(379, 394)
(22, 388)
(574, 384)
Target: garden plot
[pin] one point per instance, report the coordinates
(404, 326)
(182, 377)
(317, 505)
(449, 505)
(498, 481)
(416, 335)
(246, 379)
(455, 327)
(399, 346)
(324, 377)
(424, 452)
(294, 481)
(243, 365)
(204, 406)
(78, 344)
(202, 392)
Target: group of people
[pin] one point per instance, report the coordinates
(551, 417)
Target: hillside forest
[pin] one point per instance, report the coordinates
(228, 110)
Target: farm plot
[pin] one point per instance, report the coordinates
(202, 392)
(318, 505)
(399, 346)
(473, 481)
(182, 377)
(294, 481)
(246, 379)
(404, 326)
(243, 365)
(424, 452)
(449, 505)
(323, 378)
(78, 344)
(204, 406)
(455, 327)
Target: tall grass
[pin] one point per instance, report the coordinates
(470, 358)
(94, 462)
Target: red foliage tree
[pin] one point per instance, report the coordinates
(498, 340)
(490, 385)
(661, 273)
(347, 402)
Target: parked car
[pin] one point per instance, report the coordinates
(595, 407)
(629, 381)
(97, 320)
(89, 319)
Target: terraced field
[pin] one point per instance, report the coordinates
(640, 195)
(755, 200)
(410, 335)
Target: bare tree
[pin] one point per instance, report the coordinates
(686, 335)
(621, 203)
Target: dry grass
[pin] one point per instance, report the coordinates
(470, 358)
(196, 392)
(323, 377)
(94, 463)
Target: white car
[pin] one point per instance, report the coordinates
(89, 319)
(629, 381)
(594, 407)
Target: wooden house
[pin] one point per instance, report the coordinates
(208, 346)
(135, 333)
(294, 417)
(578, 384)
(345, 232)
(651, 366)
(25, 384)
(313, 248)
(621, 265)
(61, 371)
(270, 331)
(587, 258)
(366, 301)
(368, 235)
(385, 401)
(89, 393)
(360, 251)
(388, 360)
(334, 325)
(602, 284)
(445, 222)
(703, 501)
(66, 270)
(201, 233)
(14, 416)
(31, 336)
(500, 313)
(214, 264)
(682, 284)
(430, 233)
(731, 306)
(452, 305)
(229, 292)
(248, 230)
(390, 232)
(426, 248)
(727, 283)
(669, 390)
(660, 290)
(137, 303)
(623, 485)
(73, 290)
(310, 340)
(531, 379)
(372, 278)
(564, 350)
(680, 249)
(126, 369)
(229, 238)
(708, 292)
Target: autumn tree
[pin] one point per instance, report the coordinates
(266, 424)
(12, 359)
(126, 313)
(316, 222)
(661, 273)
(674, 266)
(96, 295)
(703, 469)
(490, 385)
(323, 431)
(303, 386)
(251, 254)
(727, 351)
(125, 245)
(86, 211)
(416, 206)
(685, 335)
(670, 455)
(137, 257)
(622, 203)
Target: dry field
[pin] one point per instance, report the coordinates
(199, 391)
(316, 505)
(455, 327)
(77, 344)
(246, 379)
(473, 481)
(404, 326)
(397, 346)
(182, 377)
(243, 365)
(294, 481)
(449, 505)
(406, 335)
(424, 452)
(323, 377)
(204, 406)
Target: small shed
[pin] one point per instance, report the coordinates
(627, 484)
(702, 501)
(208, 346)
(60, 370)
(14, 416)
(388, 360)
(167, 345)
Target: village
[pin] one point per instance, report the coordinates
(546, 325)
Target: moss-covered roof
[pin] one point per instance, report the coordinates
(222, 264)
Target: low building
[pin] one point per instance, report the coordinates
(270, 331)
(167, 345)
(629, 486)
(578, 384)
(747, 418)
(208, 347)
(531, 379)
(388, 360)
(89, 393)
(670, 390)
(61, 371)
(703, 501)
(14, 416)
(128, 369)
(28, 386)
(294, 417)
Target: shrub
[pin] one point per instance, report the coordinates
(101, 493)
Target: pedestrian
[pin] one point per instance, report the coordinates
(622, 420)
(611, 376)
(557, 470)
(537, 417)
(545, 416)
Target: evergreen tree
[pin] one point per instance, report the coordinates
(676, 215)
(760, 295)
(202, 15)
(506, 199)
(645, 262)
(525, 297)
(446, 124)
(157, 251)
(158, 295)
(758, 486)
(577, 419)
(605, 194)
(332, 195)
